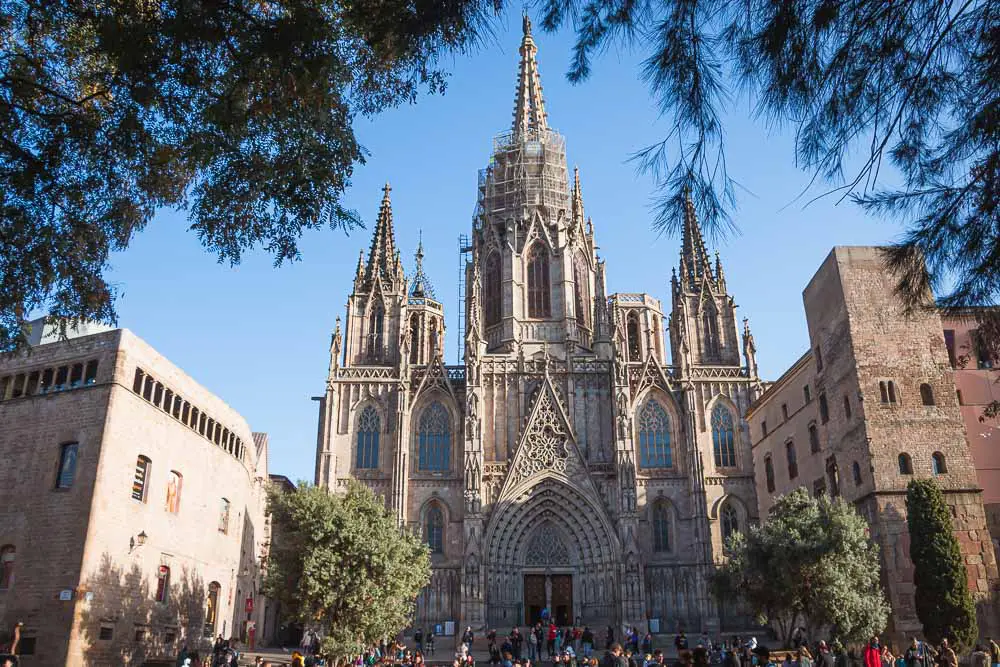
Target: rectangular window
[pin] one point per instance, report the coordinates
(176, 409)
(806, 394)
(784, 411)
(158, 395)
(763, 428)
(67, 465)
(90, 374)
(174, 483)
(76, 376)
(107, 633)
(168, 401)
(4, 384)
(833, 476)
(983, 358)
(163, 584)
(824, 409)
(819, 359)
(32, 387)
(18, 391)
(813, 438)
(958, 393)
(138, 381)
(186, 412)
(793, 465)
(62, 376)
(147, 390)
(847, 406)
(141, 479)
(949, 343)
(140, 633)
(47, 377)
(769, 473)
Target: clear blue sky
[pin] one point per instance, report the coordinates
(258, 337)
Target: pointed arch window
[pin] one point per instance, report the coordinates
(856, 473)
(376, 322)
(539, 287)
(729, 521)
(710, 330)
(938, 465)
(369, 427)
(661, 527)
(654, 436)
(434, 529)
(926, 394)
(632, 331)
(491, 289)
(580, 290)
(723, 437)
(434, 438)
(905, 464)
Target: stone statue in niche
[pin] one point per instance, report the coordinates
(623, 420)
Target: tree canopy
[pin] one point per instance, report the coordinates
(343, 564)
(811, 564)
(944, 605)
(238, 111)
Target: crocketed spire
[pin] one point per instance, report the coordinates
(382, 257)
(529, 107)
(695, 264)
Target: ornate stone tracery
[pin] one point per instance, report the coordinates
(545, 443)
(546, 548)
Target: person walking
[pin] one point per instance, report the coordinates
(587, 640)
(980, 658)
(994, 650)
(872, 655)
(946, 655)
(532, 644)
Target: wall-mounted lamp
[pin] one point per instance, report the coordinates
(137, 541)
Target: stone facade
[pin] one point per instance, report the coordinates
(131, 505)
(567, 464)
(870, 406)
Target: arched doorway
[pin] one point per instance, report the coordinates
(551, 544)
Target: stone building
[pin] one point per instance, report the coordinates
(131, 505)
(568, 463)
(870, 406)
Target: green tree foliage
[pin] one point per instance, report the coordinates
(944, 604)
(811, 563)
(239, 111)
(344, 565)
(913, 84)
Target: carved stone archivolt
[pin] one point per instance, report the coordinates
(546, 548)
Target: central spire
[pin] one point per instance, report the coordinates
(694, 257)
(529, 108)
(382, 255)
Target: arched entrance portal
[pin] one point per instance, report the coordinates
(550, 545)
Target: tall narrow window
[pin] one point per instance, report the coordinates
(492, 279)
(730, 522)
(62, 377)
(137, 383)
(723, 437)
(938, 464)
(793, 464)
(7, 555)
(983, 357)
(847, 406)
(140, 479)
(769, 473)
(632, 331)
(819, 359)
(369, 426)
(224, 516)
(905, 464)
(784, 411)
(824, 409)
(415, 341)
(661, 527)
(926, 394)
(581, 292)
(376, 321)
(211, 609)
(654, 436)
(163, 584)
(856, 472)
(434, 438)
(67, 465)
(48, 375)
(949, 343)
(434, 529)
(813, 438)
(174, 483)
(805, 394)
(539, 290)
(76, 376)
(710, 330)
(833, 476)
(892, 391)
(90, 375)
(883, 391)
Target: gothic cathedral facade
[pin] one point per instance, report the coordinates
(567, 464)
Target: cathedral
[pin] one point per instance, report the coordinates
(569, 464)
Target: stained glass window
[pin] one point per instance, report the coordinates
(434, 438)
(654, 436)
(723, 437)
(369, 426)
